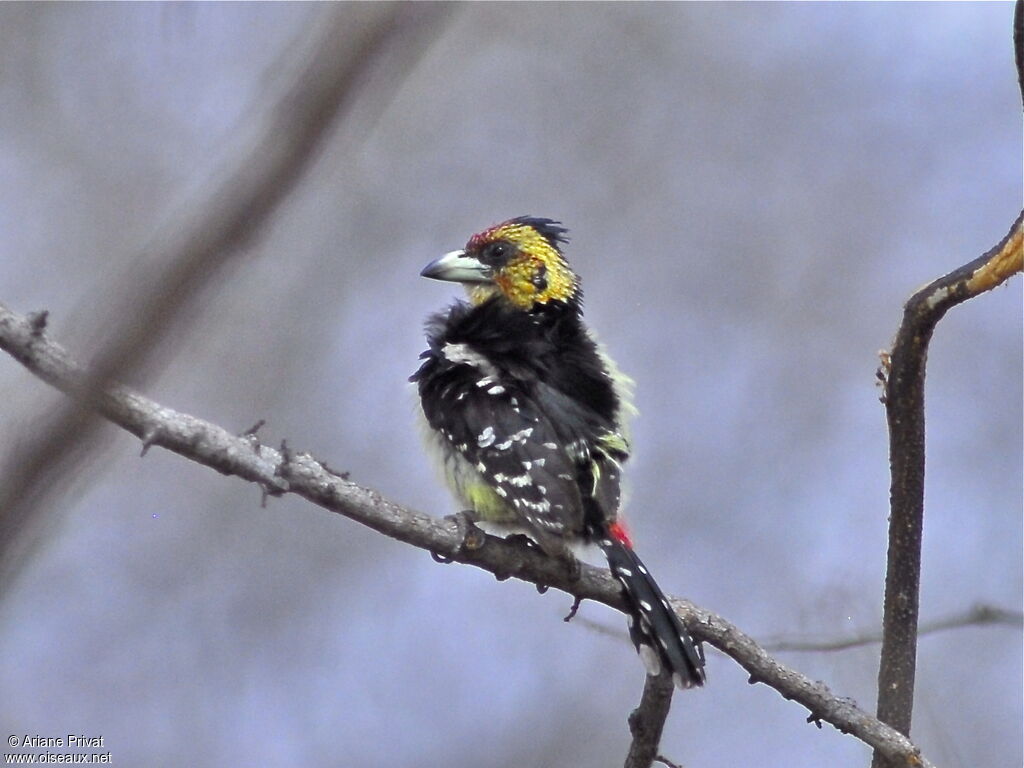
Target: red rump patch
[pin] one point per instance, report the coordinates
(620, 534)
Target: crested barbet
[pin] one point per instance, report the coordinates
(527, 415)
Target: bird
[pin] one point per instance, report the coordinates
(527, 416)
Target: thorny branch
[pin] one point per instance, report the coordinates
(904, 404)
(301, 474)
(193, 252)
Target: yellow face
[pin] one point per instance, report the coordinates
(518, 260)
(526, 267)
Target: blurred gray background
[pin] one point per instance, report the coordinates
(753, 191)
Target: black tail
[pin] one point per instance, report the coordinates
(659, 636)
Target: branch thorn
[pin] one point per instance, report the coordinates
(148, 438)
(576, 602)
(38, 321)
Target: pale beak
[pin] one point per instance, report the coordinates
(457, 267)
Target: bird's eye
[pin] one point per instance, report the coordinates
(496, 254)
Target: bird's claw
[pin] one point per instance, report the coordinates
(471, 538)
(523, 540)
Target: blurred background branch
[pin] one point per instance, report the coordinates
(977, 615)
(210, 234)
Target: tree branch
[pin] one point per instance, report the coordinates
(279, 472)
(904, 403)
(647, 721)
(1018, 44)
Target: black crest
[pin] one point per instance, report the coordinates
(550, 230)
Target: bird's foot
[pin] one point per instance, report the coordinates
(522, 540)
(470, 536)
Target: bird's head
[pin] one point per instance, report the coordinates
(519, 260)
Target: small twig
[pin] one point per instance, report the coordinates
(251, 431)
(647, 721)
(978, 615)
(573, 609)
(904, 404)
(665, 761)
